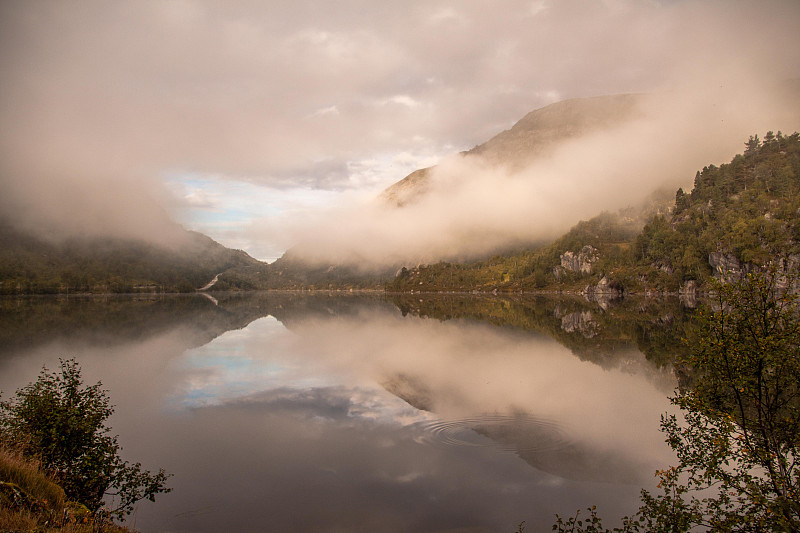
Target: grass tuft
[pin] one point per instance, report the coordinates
(31, 502)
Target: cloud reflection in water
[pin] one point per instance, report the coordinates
(319, 421)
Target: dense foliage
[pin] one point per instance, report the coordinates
(745, 211)
(738, 440)
(30, 501)
(62, 423)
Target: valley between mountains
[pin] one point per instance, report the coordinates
(738, 216)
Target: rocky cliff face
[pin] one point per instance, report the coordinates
(725, 267)
(788, 273)
(580, 262)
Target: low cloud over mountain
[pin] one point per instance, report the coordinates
(105, 103)
(560, 164)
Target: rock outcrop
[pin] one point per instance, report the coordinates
(580, 262)
(725, 267)
(789, 273)
(728, 269)
(603, 293)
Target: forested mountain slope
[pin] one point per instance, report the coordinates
(30, 264)
(742, 214)
(738, 216)
(291, 273)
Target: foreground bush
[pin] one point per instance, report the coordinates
(60, 422)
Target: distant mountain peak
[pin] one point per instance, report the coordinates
(535, 135)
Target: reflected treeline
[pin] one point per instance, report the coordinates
(27, 322)
(293, 307)
(597, 332)
(30, 321)
(609, 335)
(600, 332)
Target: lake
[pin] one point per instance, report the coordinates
(340, 412)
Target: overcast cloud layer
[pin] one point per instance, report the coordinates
(116, 114)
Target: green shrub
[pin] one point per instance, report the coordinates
(61, 422)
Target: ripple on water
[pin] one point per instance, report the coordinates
(515, 433)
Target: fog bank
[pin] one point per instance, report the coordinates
(102, 102)
(472, 207)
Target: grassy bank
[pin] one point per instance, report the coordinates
(31, 502)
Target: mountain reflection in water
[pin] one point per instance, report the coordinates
(325, 412)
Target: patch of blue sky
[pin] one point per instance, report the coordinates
(261, 358)
(215, 199)
(197, 398)
(226, 208)
(223, 198)
(244, 362)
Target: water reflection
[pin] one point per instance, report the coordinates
(278, 412)
(518, 433)
(543, 444)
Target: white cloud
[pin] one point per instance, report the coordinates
(323, 111)
(104, 99)
(446, 14)
(403, 100)
(537, 7)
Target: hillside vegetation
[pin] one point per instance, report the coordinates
(30, 264)
(290, 273)
(739, 215)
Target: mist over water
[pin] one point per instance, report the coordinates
(326, 413)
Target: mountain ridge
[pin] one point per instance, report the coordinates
(533, 136)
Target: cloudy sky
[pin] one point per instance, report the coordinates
(247, 119)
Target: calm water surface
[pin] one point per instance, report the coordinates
(281, 412)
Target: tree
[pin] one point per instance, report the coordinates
(681, 200)
(62, 422)
(738, 444)
(752, 145)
